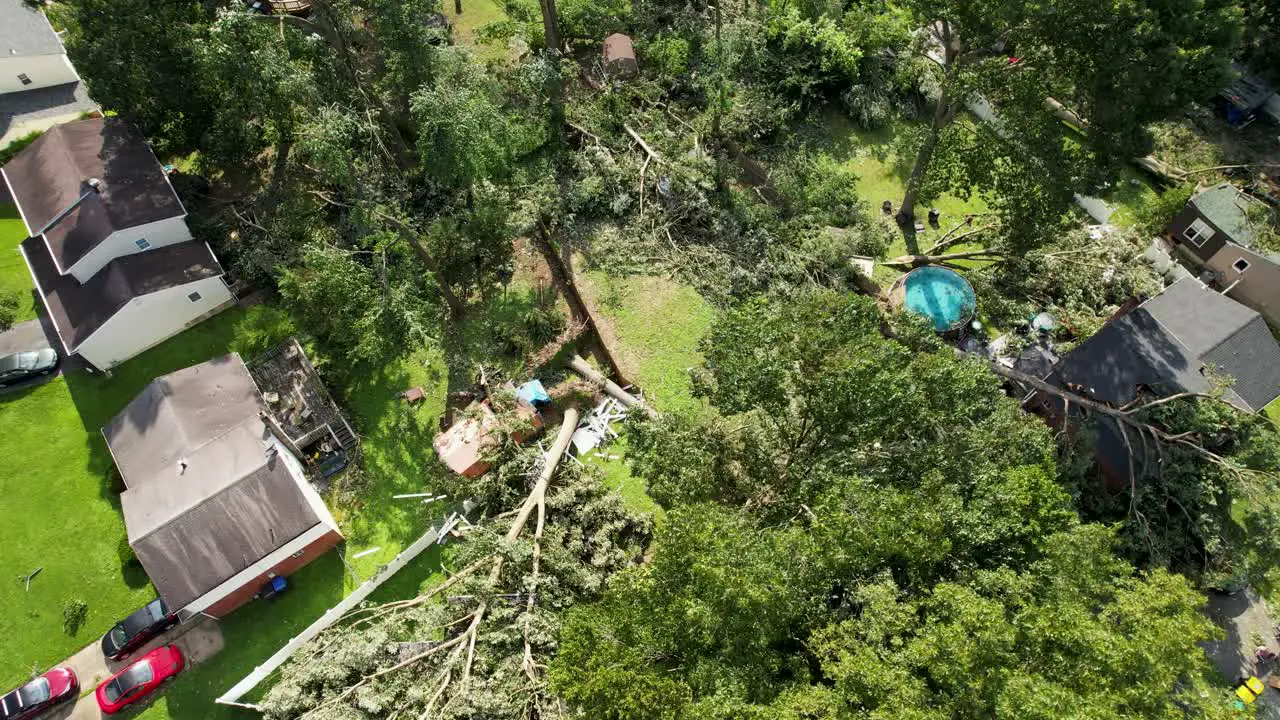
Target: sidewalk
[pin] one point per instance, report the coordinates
(198, 641)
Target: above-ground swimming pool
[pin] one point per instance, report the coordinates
(938, 294)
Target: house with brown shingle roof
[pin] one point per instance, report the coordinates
(215, 505)
(109, 248)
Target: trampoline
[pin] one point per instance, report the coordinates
(942, 296)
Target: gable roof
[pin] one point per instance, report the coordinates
(1224, 334)
(209, 489)
(178, 413)
(79, 310)
(1168, 344)
(52, 173)
(1224, 206)
(24, 31)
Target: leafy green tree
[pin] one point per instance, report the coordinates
(1015, 55)
(872, 530)
(138, 58)
(466, 132)
(366, 304)
(258, 105)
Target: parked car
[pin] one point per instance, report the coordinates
(21, 366)
(139, 679)
(40, 695)
(134, 631)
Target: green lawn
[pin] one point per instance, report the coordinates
(1272, 411)
(1128, 194)
(14, 276)
(476, 14)
(61, 514)
(882, 172)
(653, 326)
(62, 505)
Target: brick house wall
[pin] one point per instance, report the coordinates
(286, 567)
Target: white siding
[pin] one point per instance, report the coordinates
(237, 581)
(43, 70)
(151, 319)
(124, 242)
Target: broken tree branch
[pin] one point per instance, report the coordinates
(944, 243)
(915, 261)
(636, 136)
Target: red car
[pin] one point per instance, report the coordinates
(52, 688)
(139, 679)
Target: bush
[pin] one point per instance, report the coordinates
(9, 303)
(667, 55)
(17, 146)
(128, 558)
(74, 612)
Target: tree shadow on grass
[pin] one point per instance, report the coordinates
(252, 634)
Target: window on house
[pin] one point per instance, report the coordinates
(1240, 265)
(194, 297)
(22, 78)
(298, 554)
(1198, 233)
(142, 243)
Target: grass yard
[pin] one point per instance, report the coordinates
(14, 276)
(63, 515)
(60, 478)
(1129, 193)
(653, 326)
(1272, 411)
(882, 175)
(475, 15)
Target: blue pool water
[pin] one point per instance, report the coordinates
(940, 295)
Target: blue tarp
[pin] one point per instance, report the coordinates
(533, 393)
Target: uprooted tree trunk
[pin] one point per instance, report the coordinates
(562, 274)
(915, 261)
(612, 389)
(1167, 172)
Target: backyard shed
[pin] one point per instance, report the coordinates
(465, 445)
(620, 56)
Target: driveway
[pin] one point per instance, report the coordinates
(199, 640)
(29, 335)
(1248, 624)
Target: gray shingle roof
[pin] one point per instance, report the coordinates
(1221, 332)
(1173, 343)
(1166, 343)
(209, 493)
(24, 31)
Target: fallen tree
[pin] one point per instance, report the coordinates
(475, 644)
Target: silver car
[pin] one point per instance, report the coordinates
(20, 366)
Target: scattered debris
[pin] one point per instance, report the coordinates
(594, 429)
(26, 579)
